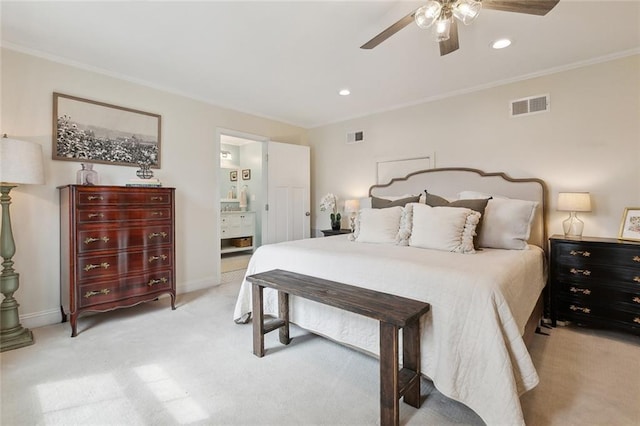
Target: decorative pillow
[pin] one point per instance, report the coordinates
(383, 203)
(478, 204)
(377, 225)
(507, 221)
(443, 228)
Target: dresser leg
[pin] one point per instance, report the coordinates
(74, 325)
(173, 301)
(64, 316)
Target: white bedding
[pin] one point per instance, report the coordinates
(471, 344)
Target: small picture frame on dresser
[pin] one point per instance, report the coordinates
(630, 224)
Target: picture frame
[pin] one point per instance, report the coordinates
(233, 176)
(246, 174)
(97, 132)
(630, 224)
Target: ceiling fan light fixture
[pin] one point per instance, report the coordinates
(442, 29)
(466, 11)
(426, 15)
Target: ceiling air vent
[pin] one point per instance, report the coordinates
(530, 105)
(355, 137)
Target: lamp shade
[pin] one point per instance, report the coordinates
(574, 202)
(351, 206)
(20, 162)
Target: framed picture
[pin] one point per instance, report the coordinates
(97, 132)
(630, 224)
(233, 175)
(246, 174)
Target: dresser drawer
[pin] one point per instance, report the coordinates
(122, 263)
(592, 273)
(95, 197)
(102, 215)
(583, 311)
(111, 291)
(601, 294)
(578, 254)
(124, 238)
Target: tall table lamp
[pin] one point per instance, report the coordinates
(20, 163)
(351, 207)
(573, 202)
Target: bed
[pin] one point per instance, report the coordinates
(485, 294)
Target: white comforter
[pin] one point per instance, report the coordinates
(471, 343)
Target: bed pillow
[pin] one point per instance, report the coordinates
(377, 225)
(383, 203)
(507, 221)
(477, 204)
(443, 228)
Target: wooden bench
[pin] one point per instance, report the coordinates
(393, 312)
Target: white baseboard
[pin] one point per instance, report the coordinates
(40, 319)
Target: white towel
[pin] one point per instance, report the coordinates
(243, 198)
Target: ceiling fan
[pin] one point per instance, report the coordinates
(442, 17)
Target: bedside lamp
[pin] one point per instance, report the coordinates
(20, 163)
(351, 207)
(573, 202)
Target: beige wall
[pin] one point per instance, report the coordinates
(589, 141)
(190, 163)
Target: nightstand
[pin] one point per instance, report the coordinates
(328, 232)
(595, 281)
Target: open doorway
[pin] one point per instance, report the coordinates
(242, 193)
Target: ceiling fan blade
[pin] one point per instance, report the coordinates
(532, 7)
(389, 31)
(451, 44)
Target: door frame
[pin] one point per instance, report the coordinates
(216, 195)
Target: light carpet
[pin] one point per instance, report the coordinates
(150, 365)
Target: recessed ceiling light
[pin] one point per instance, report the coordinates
(344, 92)
(501, 44)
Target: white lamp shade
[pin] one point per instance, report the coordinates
(351, 206)
(574, 202)
(20, 162)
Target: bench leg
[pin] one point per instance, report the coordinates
(389, 387)
(283, 313)
(258, 320)
(411, 360)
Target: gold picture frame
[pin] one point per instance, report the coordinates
(630, 224)
(96, 132)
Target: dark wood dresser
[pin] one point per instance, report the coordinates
(595, 281)
(116, 248)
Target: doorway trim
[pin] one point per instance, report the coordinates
(220, 131)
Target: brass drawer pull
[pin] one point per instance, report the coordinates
(578, 308)
(156, 213)
(580, 252)
(153, 258)
(584, 272)
(92, 215)
(636, 299)
(95, 197)
(636, 258)
(157, 198)
(95, 293)
(91, 266)
(90, 240)
(637, 320)
(153, 282)
(584, 291)
(637, 279)
(157, 234)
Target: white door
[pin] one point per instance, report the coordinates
(288, 194)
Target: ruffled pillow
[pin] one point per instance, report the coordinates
(377, 225)
(443, 228)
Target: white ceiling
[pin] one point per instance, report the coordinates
(287, 59)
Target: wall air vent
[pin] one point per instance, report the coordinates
(530, 105)
(355, 137)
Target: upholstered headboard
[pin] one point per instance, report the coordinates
(449, 181)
